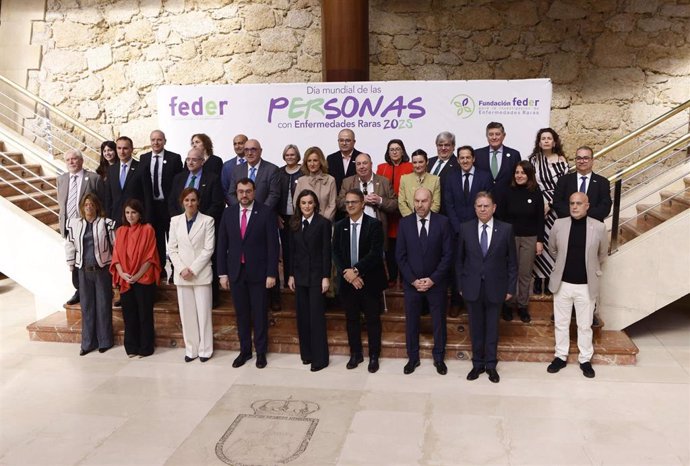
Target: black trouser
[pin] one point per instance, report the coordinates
(483, 316)
(251, 310)
(285, 246)
(356, 302)
(161, 224)
(311, 325)
(391, 263)
(414, 302)
(137, 312)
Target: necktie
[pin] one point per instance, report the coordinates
(466, 186)
(423, 235)
(241, 161)
(72, 198)
(305, 224)
(243, 229)
(354, 255)
(583, 184)
(484, 241)
(252, 173)
(494, 163)
(156, 186)
(123, 175)
(192, 182)
(439, 165)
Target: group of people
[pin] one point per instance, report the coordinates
(478, 222)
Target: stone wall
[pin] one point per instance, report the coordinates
(615, 64)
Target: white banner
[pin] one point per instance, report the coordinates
(312, 114)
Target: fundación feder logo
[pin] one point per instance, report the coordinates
(464, 105)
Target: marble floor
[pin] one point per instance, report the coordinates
(57, 408)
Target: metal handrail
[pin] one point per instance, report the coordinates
(36, 189)
(685, 139)
(59, 112)
(36, 175)
(642, 129)
(679, 193)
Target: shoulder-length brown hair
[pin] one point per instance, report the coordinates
(100, 212)
(528, 168)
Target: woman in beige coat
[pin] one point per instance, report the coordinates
(191, 245)
(317, 179)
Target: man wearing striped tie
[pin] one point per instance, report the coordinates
(71, 187)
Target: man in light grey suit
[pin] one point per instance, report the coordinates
(264, 174)
(71, 187)
(580, 245)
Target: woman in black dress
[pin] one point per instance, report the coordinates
(310, 271)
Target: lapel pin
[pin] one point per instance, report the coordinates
(529, 201)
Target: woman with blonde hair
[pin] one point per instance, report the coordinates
(316, 178)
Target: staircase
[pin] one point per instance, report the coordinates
(517, 341)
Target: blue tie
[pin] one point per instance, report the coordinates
(484, 241)
(252, 173)
(123, 175)
(583, 184)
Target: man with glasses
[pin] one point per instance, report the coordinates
(264, 174)
(358, 257)
(445, 161)
(341, 163)
(238, 143)
(584, 180)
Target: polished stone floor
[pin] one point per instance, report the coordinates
(58, 408)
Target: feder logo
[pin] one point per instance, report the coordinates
(197, 108)
(464, 105)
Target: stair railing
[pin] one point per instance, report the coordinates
(32, 189)
(47, 126)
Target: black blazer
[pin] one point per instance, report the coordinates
(172, 165)
(335, 167)
(267, 183)
(447, 168)
(598, 192)
(214, 165)
(115, 197)
(509, 160)
(370, 263)
(310, 252)
(453, 202)
(211, 200)
(433, 261)
(259, 245)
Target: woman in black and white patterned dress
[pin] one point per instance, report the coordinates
(550, 164)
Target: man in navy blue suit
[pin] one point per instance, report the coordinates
(498, 160)
(424, 252)
(487, 274)
(248, 262)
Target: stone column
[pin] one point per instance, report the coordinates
(345, 40)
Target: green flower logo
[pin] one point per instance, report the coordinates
(464, 105)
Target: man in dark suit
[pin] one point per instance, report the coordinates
(72, 186)
(125, 181)
(597, 188)
(487, 275)
(499, 160)
(248, 262)
(341, 164)
(160, 167)
(264, 174)
(424, 251)
(211, 200)
(358, 256)
(238, 143)
(445, 160)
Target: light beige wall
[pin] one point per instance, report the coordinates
(614, 63)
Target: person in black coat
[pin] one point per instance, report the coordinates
(597, 188)
(124, 182)
(362, 276)
(309, 277)
(346, 154)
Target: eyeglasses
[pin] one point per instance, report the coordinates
(444, 145)
(189, 159)
(344, 140)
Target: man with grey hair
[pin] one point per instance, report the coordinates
(71, 187)
(445, 161)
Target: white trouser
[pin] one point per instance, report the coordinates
(195, 313)
(563, 301)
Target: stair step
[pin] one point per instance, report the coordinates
(610, 347)
(14, 187)
(16, 156)
(31, 170)
(44, 215)
(677, 201)
(630, 230)
(686, 181)
(657, 214)
(28, 201)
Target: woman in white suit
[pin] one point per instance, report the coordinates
(190, 247)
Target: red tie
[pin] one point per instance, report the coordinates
(243, 228)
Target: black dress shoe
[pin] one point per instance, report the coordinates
(493, 375)
(454, 310)
(306, 362)
(241, 359)
(587, 370)
(84, 352)
(261, 360)
(595, 321)
(537, 288)
(203, 359)
(556, 365)
(441, 367)
(475, 372)
(410, 366)
(524, 315)
(507, 313)
(171, 280)
(188, 359)
(103, 350)
(73, 300)
(547, 291)
(354, 361)
(318, 368)
(373, 364)
(117, 303)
